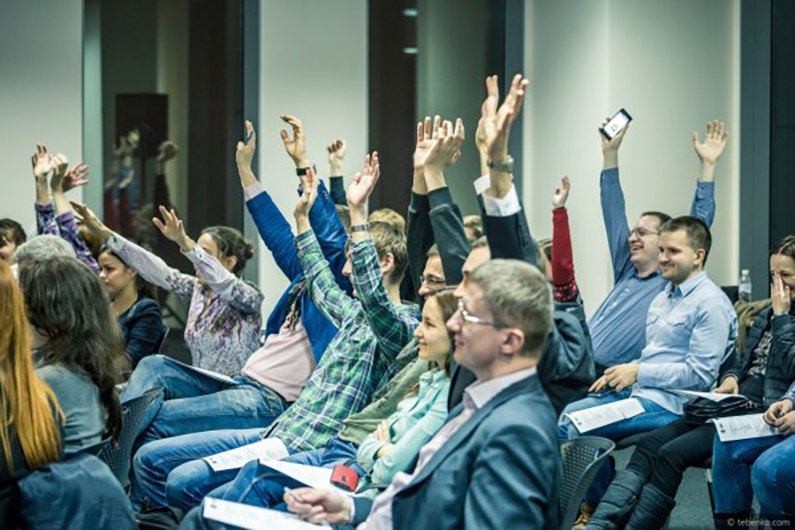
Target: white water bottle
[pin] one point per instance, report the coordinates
(745, 285)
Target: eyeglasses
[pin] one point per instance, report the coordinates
(640, 232)
(430, 280)
(472, 319)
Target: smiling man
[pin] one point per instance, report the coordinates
(690, 331)
(617, 326)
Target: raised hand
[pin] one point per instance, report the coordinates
(91, 221)
(446, 147)
(561, 193)
(60, 163)
(42, 163)
(714, 142)
(309, 186)
(318, 505)
(780, 296)
(363, 183)
(75, 177)
(295, 146)
(426, 138)
(336, 155)
(611, 146)
(497, 121)
(173, 229)
(245, 151)
(167, 151)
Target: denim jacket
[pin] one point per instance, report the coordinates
(275, 231)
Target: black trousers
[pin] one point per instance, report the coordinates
(663, 455)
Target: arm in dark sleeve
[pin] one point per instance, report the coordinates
(783, 328)
(448, 231)
(337, 184)
(145, 331)
(330, 234)
(509, 237)
(419, 237)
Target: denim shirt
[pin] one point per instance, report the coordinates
(275, 231)
(617, 326)
(690, 331)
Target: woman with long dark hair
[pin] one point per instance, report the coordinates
(77, 347)
(224, 321)
(134, 304)
(29, 413)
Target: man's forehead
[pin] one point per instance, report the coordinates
(673, 238)
(648, 221)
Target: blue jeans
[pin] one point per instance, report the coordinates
(654, 417)
(172, 472)
(195, 402)
(763, 466)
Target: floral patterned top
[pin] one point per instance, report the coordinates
(224, 321)
(65, 226)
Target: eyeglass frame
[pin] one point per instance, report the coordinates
(472, 319)
(432, 281)
(646, 232)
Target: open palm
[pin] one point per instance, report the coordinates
(363, 183)
(714, 142)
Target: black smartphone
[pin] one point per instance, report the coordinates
(616, 123)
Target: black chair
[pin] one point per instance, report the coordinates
(95, 449)
(118, 456)
(581, 458)
(163, 339)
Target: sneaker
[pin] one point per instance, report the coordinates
(586, 512)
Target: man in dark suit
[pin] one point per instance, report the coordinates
(495, 463)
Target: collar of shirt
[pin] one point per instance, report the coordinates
(648, 276)
(687, 287)
(477, 395)
(434, 375)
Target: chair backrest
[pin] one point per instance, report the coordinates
(581, 458)
(118, 456)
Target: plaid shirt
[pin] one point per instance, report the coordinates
(359, 359)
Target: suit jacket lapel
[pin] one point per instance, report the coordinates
(525, 385)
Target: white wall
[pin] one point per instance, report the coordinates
(40, 93)
(673, 65)
(313, 65)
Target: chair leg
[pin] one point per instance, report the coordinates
(708, 473)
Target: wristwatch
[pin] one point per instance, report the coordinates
(503, 166)
(360, 228)
(301, 171)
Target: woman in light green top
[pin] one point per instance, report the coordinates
(396, 442)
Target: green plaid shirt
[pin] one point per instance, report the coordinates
(362, 357)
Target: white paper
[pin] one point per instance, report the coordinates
(310, 476)
(743, 427)
(252, 517)
(214, 375)
(595, 417)
(264, 450)
(712, 396)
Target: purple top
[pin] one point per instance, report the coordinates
(64, 226)
(224, 320)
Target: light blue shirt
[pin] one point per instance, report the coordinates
(414, 423)
(617, 327)
(690, 331)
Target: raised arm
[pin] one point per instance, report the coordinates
(418, 229)
(326, 294)
(562, 262)
(709, 153)
(150, 267)
(446, 219)
(42, 164)
(238, 293)
(336, 156)
(391, 329)
(614, 209)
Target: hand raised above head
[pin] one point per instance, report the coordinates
(426, 139)
(41, 162)
(75, 177)
(336, 155)
(309, 187)
(363, 183)
(60, 164)
(245, 150)
(561, 193)
(445, 149)
(167, 151)
(497, 121)
(91, 221)
(295, 146)
(714, 142)
(172, 228)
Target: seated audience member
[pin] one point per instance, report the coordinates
(53, 214)
(566, 367)
(691, 328)
(297, 333)
(388, 215)
(473, 226)
(224, 318)
(642, 496)
(617, 327)
(77, 347)
(11, 237)
(134, 302)
(391, 448)
(373, 329)
(30, 416)
(39, 249)
(496, 462)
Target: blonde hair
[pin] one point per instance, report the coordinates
(26, 402)
(390, 216)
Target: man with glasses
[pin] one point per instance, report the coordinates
(617, 327)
